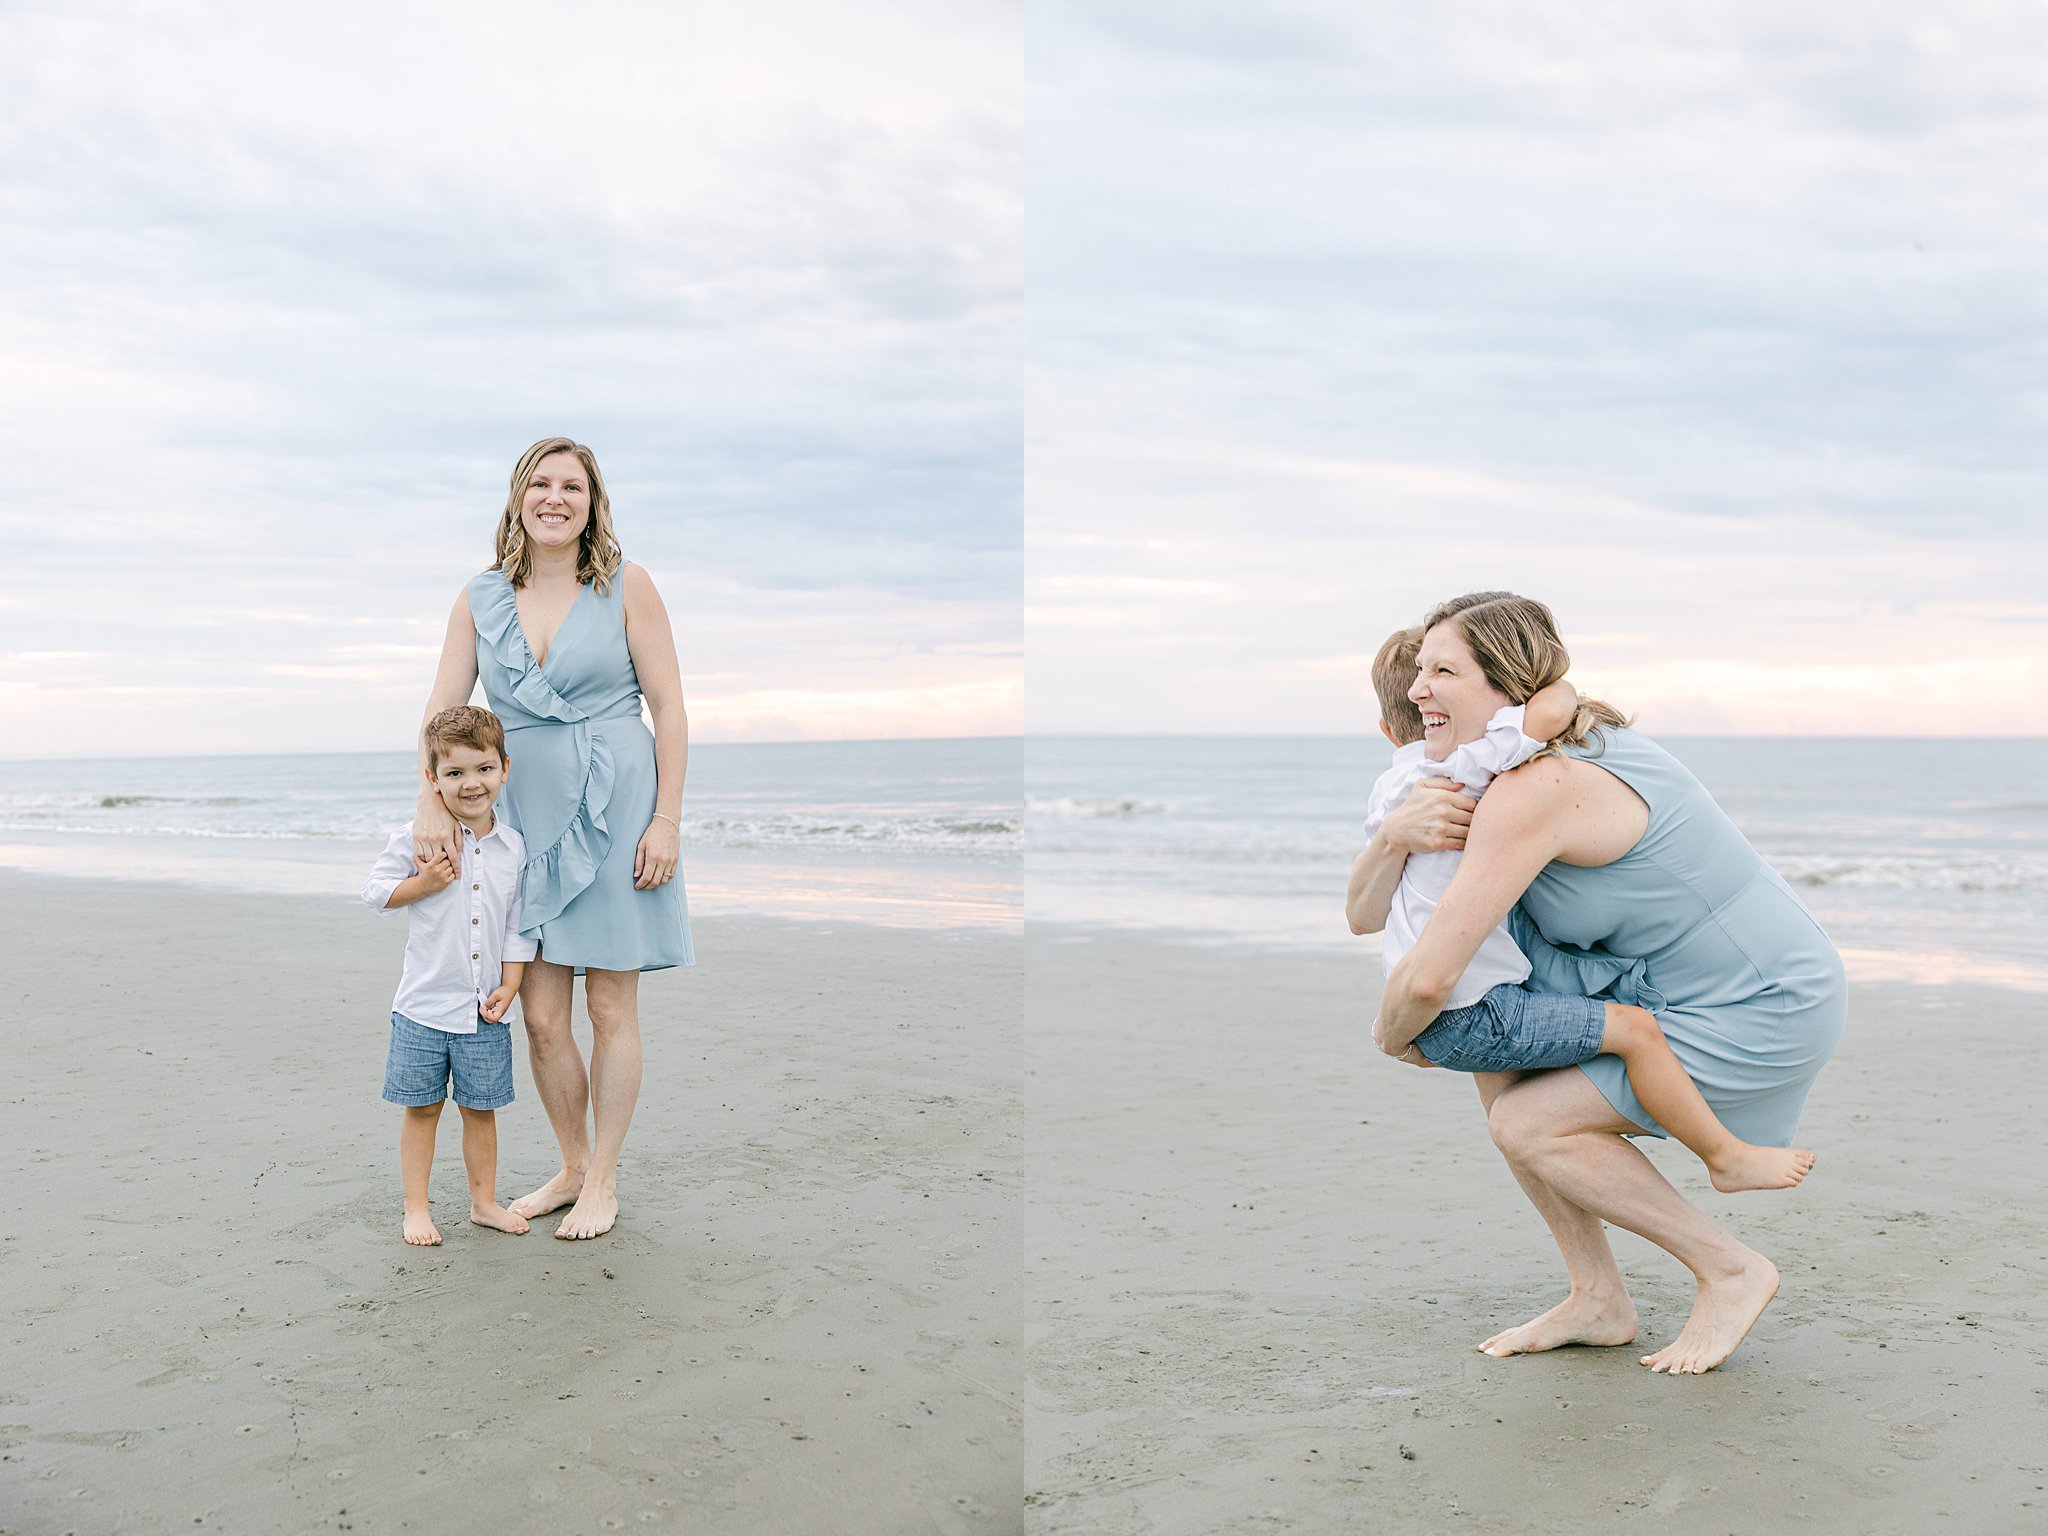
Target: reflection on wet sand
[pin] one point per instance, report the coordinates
(890, 891)
(1942, 968)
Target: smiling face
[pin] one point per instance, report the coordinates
(556, 505)
(1454, 696)
(468, 780)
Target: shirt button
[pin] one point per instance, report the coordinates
(475, 956)
(472, 922)
(477, 887)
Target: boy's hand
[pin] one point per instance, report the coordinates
(495, 1005)
(437, 871)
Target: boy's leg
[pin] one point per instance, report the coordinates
(415, 1161)
(480, 1158)
(1671, 1096)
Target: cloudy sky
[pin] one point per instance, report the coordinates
(287, 290)
(1719, 328)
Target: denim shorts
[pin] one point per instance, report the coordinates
(421, 1062)
(1513, 1029)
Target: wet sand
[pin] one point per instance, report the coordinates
(806, 1319)
(1262, 1255)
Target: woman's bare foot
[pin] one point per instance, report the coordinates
(1727, 1308)
(497, 1217)
(1578, 1319)
(1751, 1167)
(595, 1211)
(420, 1230)
(559, 1191)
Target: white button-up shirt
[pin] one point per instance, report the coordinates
(461, 936)
(1426, 876)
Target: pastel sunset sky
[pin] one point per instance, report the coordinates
(1719, 328)
(289, 289)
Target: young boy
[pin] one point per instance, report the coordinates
(1491, 1023)
(464, 957)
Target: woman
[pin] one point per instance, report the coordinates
(1628, 877)
(567, 639)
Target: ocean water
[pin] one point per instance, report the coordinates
(1925, 860)
(900, 832)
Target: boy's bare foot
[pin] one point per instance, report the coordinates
(1727, 1308)
(1751, 1167)
(559, 1191)
(420, 1230)
(496, 1217)
(1578, 1319)
(595, 1211)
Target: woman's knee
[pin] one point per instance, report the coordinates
(1518, 1126)
(613, 1001)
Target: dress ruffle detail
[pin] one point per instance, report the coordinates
(1574, 972)
(561, 872)
(565, 867)
(497, 625)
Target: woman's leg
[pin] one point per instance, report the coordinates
(1598, 1310)
(613, 998)
(1555, 1128)
(559, 1079)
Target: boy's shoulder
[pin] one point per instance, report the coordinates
(510, 834)
(1392, 785)
(1402, 766)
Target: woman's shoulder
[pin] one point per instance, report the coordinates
(637, 587)
(1594, 814)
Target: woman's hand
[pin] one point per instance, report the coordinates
(436, 872)
(1435, 818)
(433, 830)
(654, 861)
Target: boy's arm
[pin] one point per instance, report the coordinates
(510, 974)
(518, 947)
(435, 874)
(393, 881)
(1549, 711)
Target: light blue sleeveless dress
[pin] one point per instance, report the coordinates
(1692, 924)
(580, 785)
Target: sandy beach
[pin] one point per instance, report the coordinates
(805, 1321)
(1261, 1258)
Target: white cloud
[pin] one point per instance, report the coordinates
(1718, 329)
(289, 290)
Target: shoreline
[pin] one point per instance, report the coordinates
(887, 888)
(1868, 963)
(806, 1314)
(1264, 1257)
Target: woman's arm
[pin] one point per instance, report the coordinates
(433, 829)
(1521, 827)
(1434, 817)
(652, 645)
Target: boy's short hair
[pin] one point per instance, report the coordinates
(1393, 674)
(466, 725)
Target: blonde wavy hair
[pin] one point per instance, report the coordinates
(598, 560)
(1514, 640)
